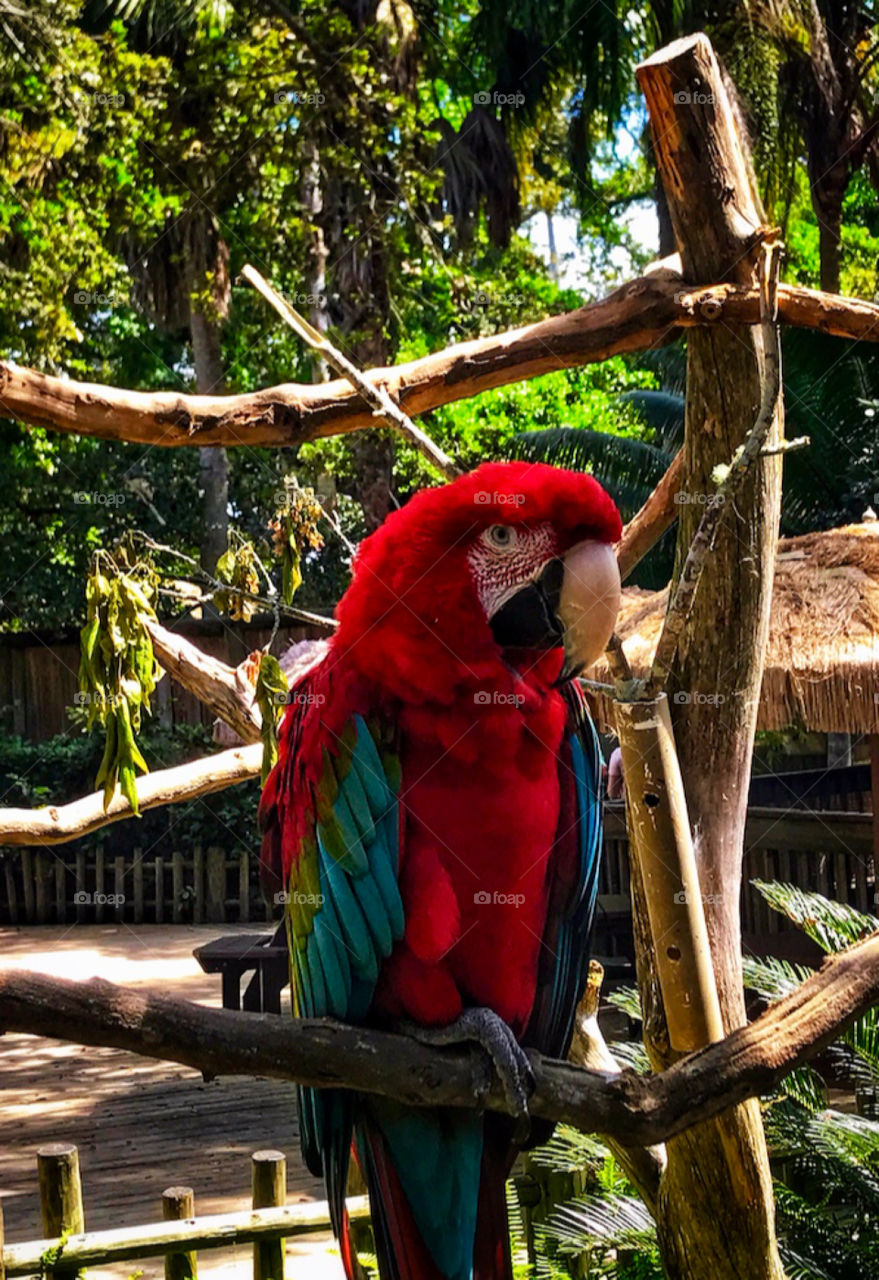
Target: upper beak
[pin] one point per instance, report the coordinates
(574, 602)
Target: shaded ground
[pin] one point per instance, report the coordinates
(140, 1126)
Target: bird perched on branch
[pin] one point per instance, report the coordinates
(434, 822)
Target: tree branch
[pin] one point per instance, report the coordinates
(635, 1110)
(223, 689)
(53, 824)
(643, 313)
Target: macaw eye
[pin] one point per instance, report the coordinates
(500, 537)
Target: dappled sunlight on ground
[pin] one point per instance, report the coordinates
(141, 1126)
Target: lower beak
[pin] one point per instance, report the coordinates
(574, 602)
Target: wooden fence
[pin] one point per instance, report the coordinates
(38, 675)
(204, 886)
(831, 852)
(67, 1246)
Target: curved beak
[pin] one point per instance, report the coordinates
(573, 602)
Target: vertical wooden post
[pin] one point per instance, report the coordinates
(159, 905)
(716, 1207)
(79, 886)
(119, 887)
(100, 889)
(137, 876)
(243, 885)
(269, 1191)
(198, 885)
(60, 889)
(61, 1206)
(11, 895)
(216, 885)
(178, 1203)
(177, 886)
(874, 791)
(27, 885)
(42, 874)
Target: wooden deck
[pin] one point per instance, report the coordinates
(140, 1126)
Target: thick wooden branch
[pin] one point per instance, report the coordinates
(223, 689)
(642, 313)
(635, 1110)
(648, 525)
(53, 824)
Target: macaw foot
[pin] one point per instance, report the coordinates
(495, 1037)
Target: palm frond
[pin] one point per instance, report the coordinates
(832, 925)
(627, 1000)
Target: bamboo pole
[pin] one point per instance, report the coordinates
(661, 840)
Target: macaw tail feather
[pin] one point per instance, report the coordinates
(436, 1195)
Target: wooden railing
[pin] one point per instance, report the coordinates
(830, 852)
(67, 1246)
(203, 886)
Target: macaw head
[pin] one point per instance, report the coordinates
(483, 575)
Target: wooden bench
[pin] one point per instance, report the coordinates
(264, 955)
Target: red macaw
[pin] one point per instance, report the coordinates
(434, 815)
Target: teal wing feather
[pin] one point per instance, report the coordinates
(344, 914)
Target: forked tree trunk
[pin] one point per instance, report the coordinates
(716, 1212)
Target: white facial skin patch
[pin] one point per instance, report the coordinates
(505, 557)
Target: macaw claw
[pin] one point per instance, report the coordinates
(493, 1035)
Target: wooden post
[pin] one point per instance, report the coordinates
(873, 907)
(177, 886)
(11, 893)
(716, 1210)
(178, 1203)
(198, 885)
(60, 889)
(159, 905)
(27, 885)
(269, 1190)
(79, 886)
(119, 887)
(100, 890)
(61, 1207)
(137, 875)
(216, 885)
(243, 886)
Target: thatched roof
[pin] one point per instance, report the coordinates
(822, 664)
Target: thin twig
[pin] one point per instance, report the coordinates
(373, 394)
